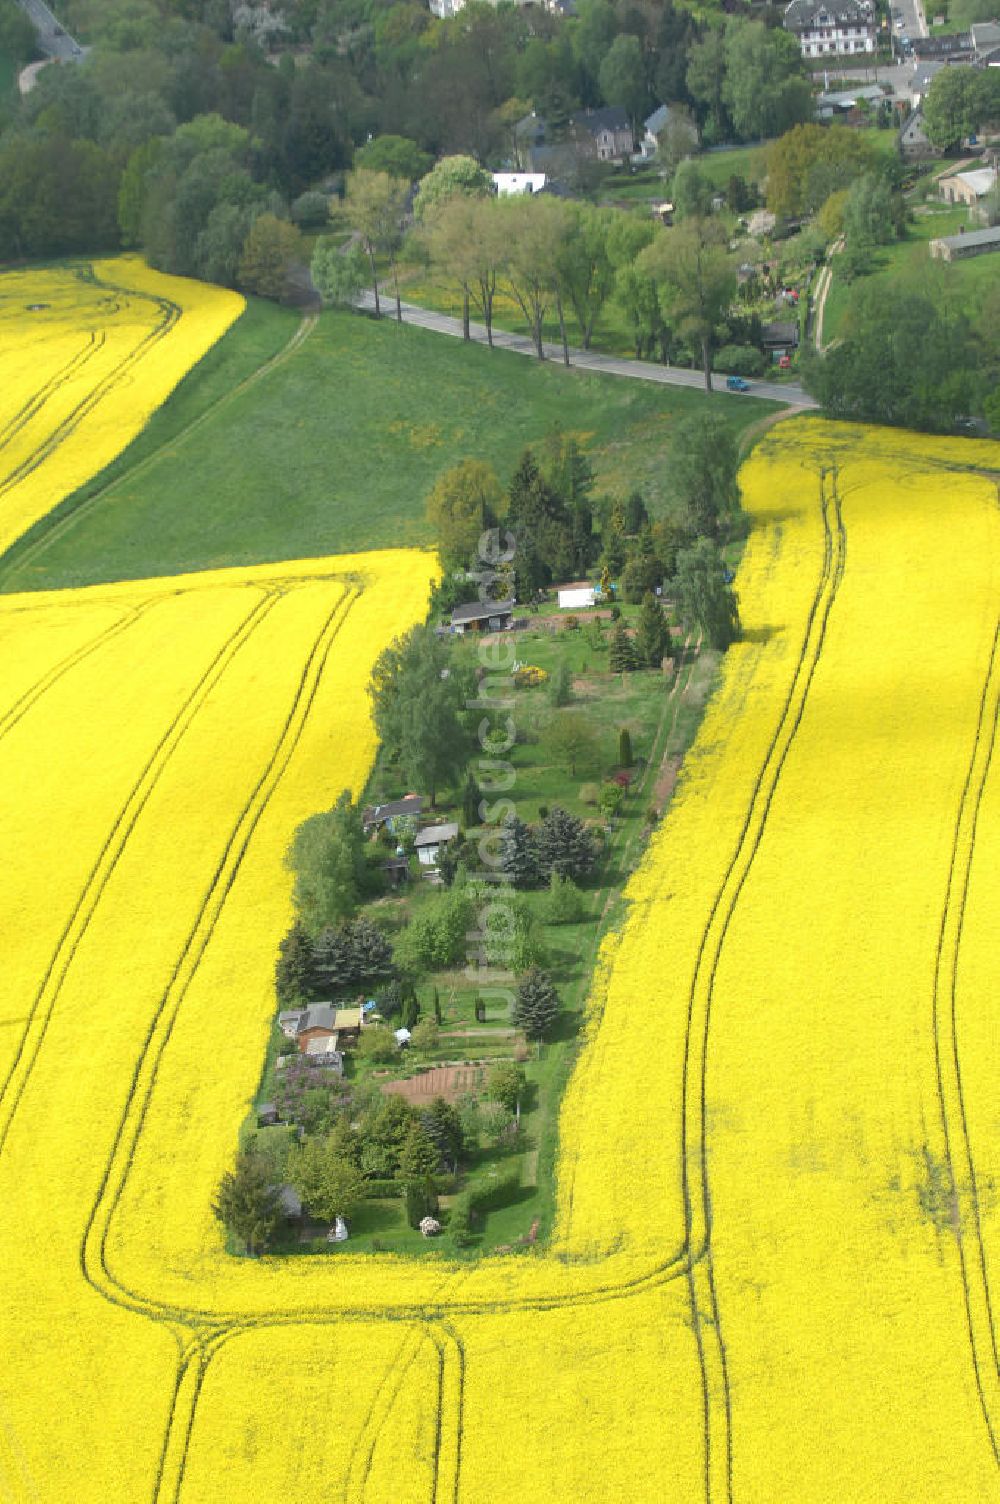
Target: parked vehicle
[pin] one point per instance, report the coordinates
(737, 384)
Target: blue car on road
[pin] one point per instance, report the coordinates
(737, 384)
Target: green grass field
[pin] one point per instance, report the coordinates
(335, 449)
(912, 254)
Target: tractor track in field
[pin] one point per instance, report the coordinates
(593, 1056)
(52, 531)
(43, 1004)
(979, 1315)
(30, 697)
(34, 404)
(695, 1254)
(201, 1333)
(703, 1295)
(170, 313)
(94, 1241)
(386, 1393)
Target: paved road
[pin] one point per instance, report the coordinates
(898, 75)
(53, 39)
(590, 360)
(914, 20)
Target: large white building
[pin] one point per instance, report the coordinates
(840, 27)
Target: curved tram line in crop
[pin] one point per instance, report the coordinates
(201, 1334)
(43, 1004)
(34, 404)
(24, 702)
(692, 1260)
(951, 1098)
(169, 313)
(53, 527)
(705, 1313)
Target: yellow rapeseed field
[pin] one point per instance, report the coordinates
(89, 352)
(777, 1197)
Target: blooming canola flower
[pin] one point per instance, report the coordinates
(774, 1225)
(90, 351)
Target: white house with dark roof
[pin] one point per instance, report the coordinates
(831, 27)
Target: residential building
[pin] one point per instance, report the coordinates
(652, 126)
(319, 1021)
(913, 140)
(605, 133)
(576, 597)
(971, 243)
(840, 27)
(656, 124)
(529, 132)
(761, 222)
(780, 337)
(290, 1203)
(324, 1050)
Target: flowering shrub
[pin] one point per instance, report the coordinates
(529, 675)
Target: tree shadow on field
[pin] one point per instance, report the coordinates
(760, 634)
(776, 515)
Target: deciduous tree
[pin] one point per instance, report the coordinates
(269, 252)
(418, 699)
(695, 278)
(330, 1184)
(704, 600)
(339, 273)
(466, 500)
(327, 858)
(396, 155)
(571, 742)
(704, 463)
(373, 206)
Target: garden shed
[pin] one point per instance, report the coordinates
(431, 841)
(483, 616)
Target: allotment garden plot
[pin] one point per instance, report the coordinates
(777, 1212)
(89, 352)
